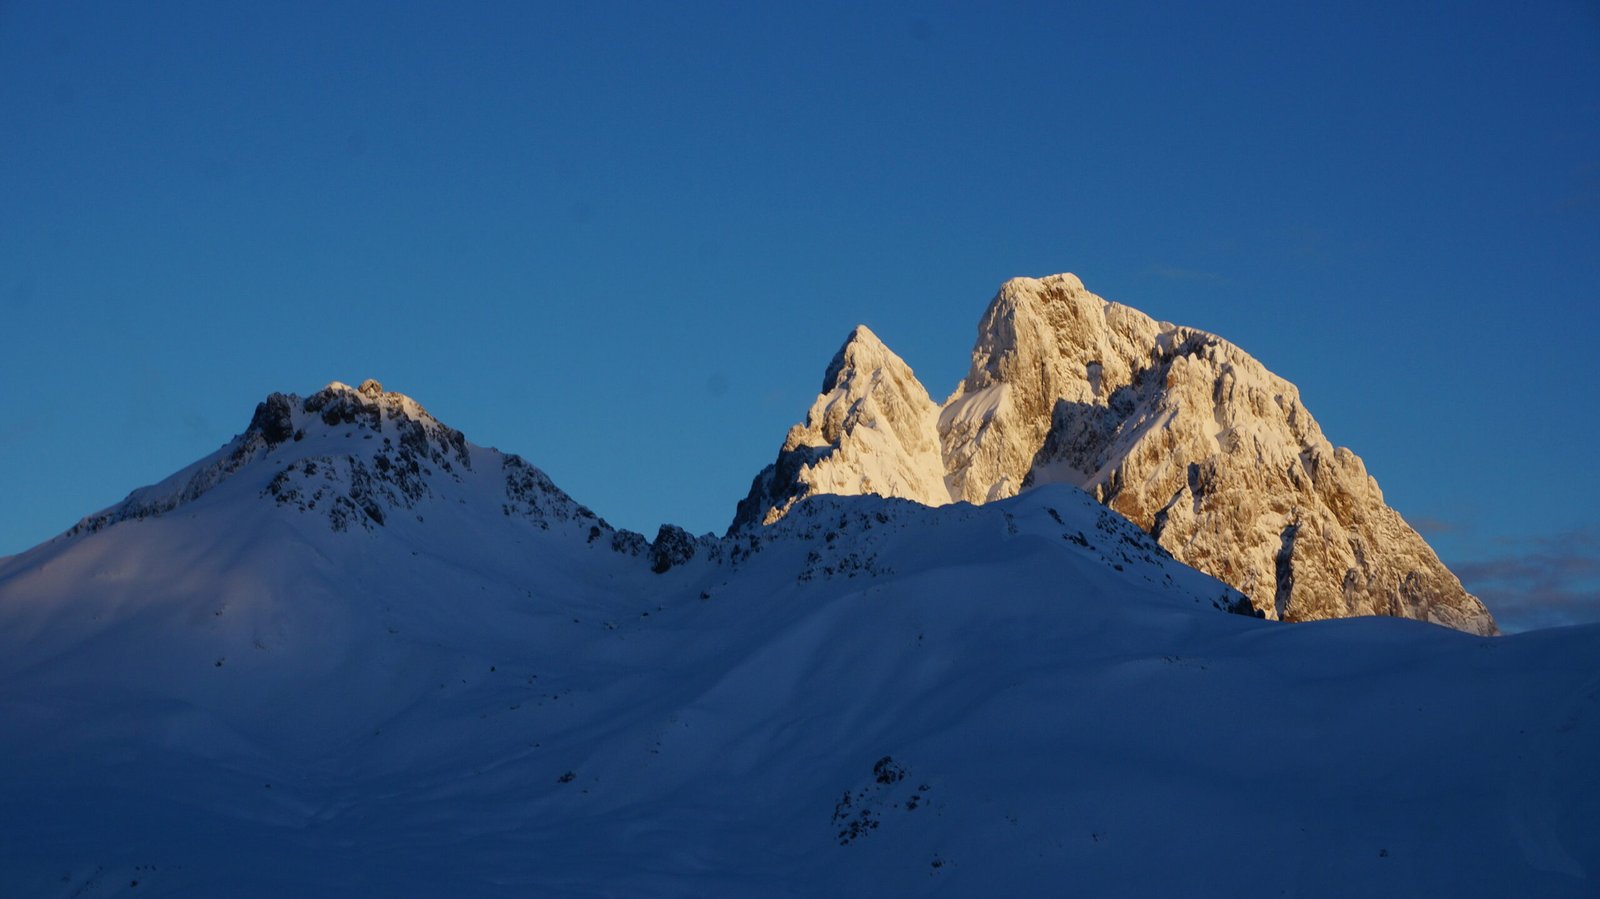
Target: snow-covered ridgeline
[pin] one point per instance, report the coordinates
(473, 685)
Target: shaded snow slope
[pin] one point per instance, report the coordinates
(481, 690)
(1182, 432)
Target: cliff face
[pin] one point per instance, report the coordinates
(1177, 429)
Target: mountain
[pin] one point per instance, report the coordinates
(353, 653)
(873, 430)
(1177, 429)
(359, 458)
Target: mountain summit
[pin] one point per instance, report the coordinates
(361, 458)
(1175, 428)
(872, 430)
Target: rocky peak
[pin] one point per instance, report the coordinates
(1041, 342)
(862, 351)
(363, 458)
(1179, 430)
(873, 430)
(866, 384)
(369, 405)
(280, 416)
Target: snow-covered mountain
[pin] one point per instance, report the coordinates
(354, 653)
(873, 430)
(1177, 429)
(360, 457)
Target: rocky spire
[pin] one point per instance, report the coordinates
(872, 430)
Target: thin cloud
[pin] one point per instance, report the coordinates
(1550, 581)
(1433, 527)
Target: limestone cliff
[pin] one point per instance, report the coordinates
(1177, 429)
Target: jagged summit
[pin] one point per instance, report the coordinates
(873, 430)
(861, 350)
(1176, 428)
(1041, 342)
(280, 416)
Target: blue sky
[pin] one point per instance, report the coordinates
(624, 240)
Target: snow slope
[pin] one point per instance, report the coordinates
(1179, 430)
(295, 670)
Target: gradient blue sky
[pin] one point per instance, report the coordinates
(624, 240)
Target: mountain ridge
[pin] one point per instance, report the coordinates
(472, 686)
(1178, 429)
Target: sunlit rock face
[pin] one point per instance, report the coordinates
(1177, 429)
(872, 430)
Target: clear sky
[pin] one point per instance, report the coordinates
(624, 240)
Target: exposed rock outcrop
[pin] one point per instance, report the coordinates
(872, 430)
(1182, 432)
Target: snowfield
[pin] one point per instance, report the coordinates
(295, 669)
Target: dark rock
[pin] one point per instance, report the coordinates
(673, 546)
(274, 419)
